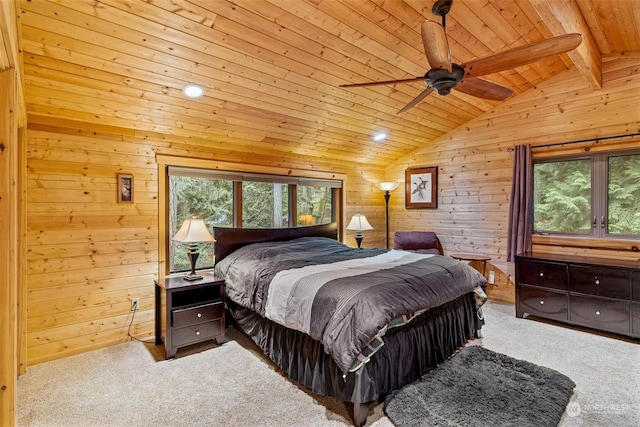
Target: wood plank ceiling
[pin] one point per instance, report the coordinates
(272, 69)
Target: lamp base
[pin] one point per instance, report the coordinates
(191, 277)
(193, 257)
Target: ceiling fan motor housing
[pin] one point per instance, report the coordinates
(441, 7)
(442, 80)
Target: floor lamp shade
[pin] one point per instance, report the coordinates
(358, 224)
(387, 187)
(193, 231)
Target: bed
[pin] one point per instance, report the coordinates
(347, 323)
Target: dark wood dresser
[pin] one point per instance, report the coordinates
(598, 293)
(189, 312)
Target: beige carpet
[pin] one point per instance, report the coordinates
(232, 385)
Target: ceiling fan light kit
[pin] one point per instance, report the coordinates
(446, 75)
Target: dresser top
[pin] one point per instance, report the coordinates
(576, 259)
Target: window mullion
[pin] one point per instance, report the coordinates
(599, 192)
(237, 204)
(293, 205)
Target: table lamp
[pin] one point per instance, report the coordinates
(358, 224)
(193, 231)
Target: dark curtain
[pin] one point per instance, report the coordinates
(520, 215)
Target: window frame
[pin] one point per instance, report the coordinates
(251, 172)
(599, 162)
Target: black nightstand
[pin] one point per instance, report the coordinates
(189, 312)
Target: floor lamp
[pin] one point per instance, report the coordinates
(387, 187)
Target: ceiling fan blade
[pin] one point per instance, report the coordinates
(522, 55)
(387, 82)
(483, 89)
(417, 99)
(436, 46)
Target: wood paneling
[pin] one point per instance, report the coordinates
(9, 278)
(272, 69)
(12, 212)
(87, 254)
(475, 167)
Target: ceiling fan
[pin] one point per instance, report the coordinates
(445, 75)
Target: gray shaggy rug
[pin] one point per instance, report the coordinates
(478, 387)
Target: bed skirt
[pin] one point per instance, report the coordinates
(409, 351)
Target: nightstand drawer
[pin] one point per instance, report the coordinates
(197, 333)
(600, 313)
(202, 313)
(548, 304)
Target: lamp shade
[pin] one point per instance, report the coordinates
(388, 186)
(359, 223)
(193, 230)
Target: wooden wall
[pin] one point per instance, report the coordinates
(88, 255)
(8, 277)
(12, 208)
(475, 167)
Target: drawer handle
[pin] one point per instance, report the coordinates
(541, 302)
(597, 281)
(197, 332)
(199, 314)
(597, 312)
(542, 274)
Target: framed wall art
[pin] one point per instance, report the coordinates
(421, 188)
(125, 188)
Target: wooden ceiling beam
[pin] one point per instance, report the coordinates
(563, 17)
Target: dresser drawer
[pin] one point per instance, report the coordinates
(603, 314)
(600, 281)
(635, 286)
(544, 303)
(202, 313)
(545, 274)
(197, 333)
(635, 318)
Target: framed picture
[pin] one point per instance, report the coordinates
(125, 188)
(421, 188)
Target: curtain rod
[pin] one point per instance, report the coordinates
(510, 149)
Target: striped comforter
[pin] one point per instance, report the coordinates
(340, 296)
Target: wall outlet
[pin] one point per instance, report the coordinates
(492, 277)
(135, 304)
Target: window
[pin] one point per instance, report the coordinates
(260, 201)
(265, 205)
(314, 205)
(595, 196)
(206, 198)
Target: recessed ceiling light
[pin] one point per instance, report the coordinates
(380, 137)
(193, 91)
